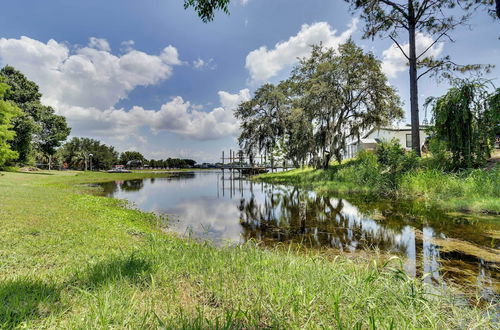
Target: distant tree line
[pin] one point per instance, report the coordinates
(33, 134)
(171, 163)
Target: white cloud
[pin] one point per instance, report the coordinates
(127, 46)
(201, 64)
(85, 85)
(176, 116)
(394, 62)
(263, 63)
(99, 44)
(87, 77)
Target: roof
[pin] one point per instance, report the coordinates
(395, 129)
(364, 141)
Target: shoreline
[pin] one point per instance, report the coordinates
(321, 181)
(76, 260)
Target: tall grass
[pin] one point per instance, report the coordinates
(473, 190)
(71, 260)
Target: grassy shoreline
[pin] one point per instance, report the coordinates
(74, 260)
(476, 191)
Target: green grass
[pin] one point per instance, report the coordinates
(73, 260)
(474, 190)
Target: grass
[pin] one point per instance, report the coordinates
(74, 260)
(474, 190)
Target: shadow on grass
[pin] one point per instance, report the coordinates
(35, 173)
(133, 268)
(24, 299)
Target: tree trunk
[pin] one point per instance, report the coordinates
(50, 158)
(415, 121)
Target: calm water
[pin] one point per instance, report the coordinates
(205, 204)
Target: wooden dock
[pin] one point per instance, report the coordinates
(238, 163)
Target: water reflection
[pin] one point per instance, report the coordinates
(212, 206)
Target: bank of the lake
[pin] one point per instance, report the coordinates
(71, 259)
(470, 191)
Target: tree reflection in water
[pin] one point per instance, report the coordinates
(210, 204)
(288, 214)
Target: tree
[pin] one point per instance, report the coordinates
(7, 112)
(25, 94)
(52, 131)
(76, 154)
(332, 97)
(37, 127)
(206, 8)
(131, 155)
(391, 18)
(262, 121)
(344, 93)
(466, 118)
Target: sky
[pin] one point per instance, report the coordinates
(150, 76)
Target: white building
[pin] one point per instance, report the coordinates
(370, 140)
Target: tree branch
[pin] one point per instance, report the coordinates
(432, 44)
(400, 48)
(396, 7)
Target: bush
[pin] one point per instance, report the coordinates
(395, 161)
(365, 171)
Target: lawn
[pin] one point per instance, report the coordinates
(71, 259)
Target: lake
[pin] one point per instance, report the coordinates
(456, 248)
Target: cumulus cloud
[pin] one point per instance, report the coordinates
(86, 83)
(394, 62)
(264, 63)
(99, 44)
(127, 46)
(89, 76)
(177, 116)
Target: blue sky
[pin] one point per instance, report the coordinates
(150, 76)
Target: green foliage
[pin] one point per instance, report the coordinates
(476, 190)
(466, 118)
(395, 161)
(262, 119)
(127, 156)
(365, 171)
(407, 18)
(171, 163)
(398, 174)
(206, 8)
(440, 156)
(24, 126)
(38, 129)
(333, 96)
(7, 134)
(75, 154)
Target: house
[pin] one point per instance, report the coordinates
(373, 137)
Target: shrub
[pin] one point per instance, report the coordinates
(365, 171)
(395, 161)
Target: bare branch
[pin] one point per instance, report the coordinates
(400, 48)
(433, 43)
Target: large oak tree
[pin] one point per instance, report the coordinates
(332, 97)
